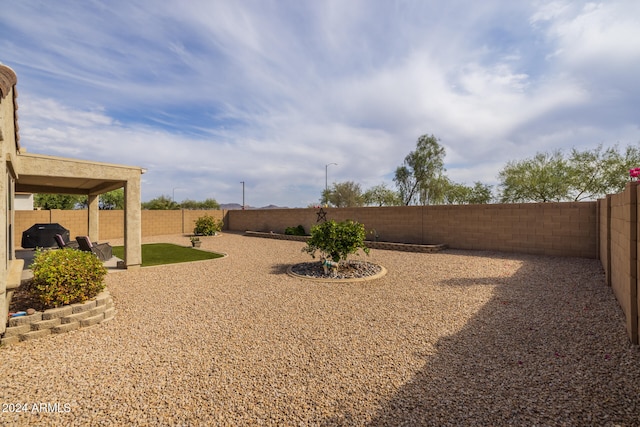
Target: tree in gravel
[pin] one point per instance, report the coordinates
(419, 179)
(336, 240)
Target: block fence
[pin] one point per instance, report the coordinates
(606, 229)
(560, 229)
(618, 251)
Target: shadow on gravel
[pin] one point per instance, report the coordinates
(550, 349)
(279, 268)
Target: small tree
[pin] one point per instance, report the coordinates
(336, 240)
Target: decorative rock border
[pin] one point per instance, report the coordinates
(59, 320)
(378, 275)
(406, 247)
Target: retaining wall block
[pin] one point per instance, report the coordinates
(66, 327)
(93, 320)
(76, 317)
(97, 310)
(35, 334)
(81, 307)
(55, 313)
(45, 324)
(14, 331)
(109, 313)
(24, 320)
(102, 298)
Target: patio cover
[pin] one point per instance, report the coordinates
(37, 173)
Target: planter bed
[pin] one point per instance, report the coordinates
(406, 247)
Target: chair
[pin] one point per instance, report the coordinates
(102, 250)
(65, 245)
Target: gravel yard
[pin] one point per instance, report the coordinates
(450, 338)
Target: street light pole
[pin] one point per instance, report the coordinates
(242, 182)
(326, 169)
(173, 193)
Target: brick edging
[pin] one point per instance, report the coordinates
(406, 247)
(59, 320)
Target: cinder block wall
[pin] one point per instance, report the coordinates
(156, 223)
(563, 229)
(76, 222)
(619, 252)
(604, 237)
(110, 225)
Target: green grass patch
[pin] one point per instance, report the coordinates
(167, 253)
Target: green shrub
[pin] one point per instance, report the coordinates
(295, 231)
(207, 226)
(66, 276)
(337, 240)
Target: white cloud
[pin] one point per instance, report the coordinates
(208, 94)
(603, 32)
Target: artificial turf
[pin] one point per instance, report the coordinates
(167, 253)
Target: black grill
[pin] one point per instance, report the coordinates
(43, 235)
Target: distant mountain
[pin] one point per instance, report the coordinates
(231, 206)
(237, 206)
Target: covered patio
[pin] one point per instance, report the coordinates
(57, 175)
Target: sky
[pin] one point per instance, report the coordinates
(207, 94)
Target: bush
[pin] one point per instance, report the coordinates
(207, 226)
(66, 276)
(337, 240)
(295, 231)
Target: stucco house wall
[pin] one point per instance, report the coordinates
(10, 268)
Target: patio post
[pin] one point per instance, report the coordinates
(132, 223)
(94, 212)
